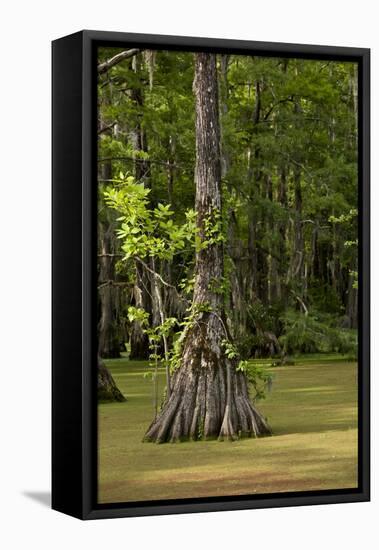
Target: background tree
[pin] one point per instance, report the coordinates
(288, 178)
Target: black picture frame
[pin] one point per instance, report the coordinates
(74, 439)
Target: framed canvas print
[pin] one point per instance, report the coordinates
(210, 274)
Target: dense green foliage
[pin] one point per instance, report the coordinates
(289, 218)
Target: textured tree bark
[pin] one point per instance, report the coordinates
(298, 252)
(109, 341)
(273, 286)
(234, 245)
(109, 337)
(282, 247)
(209, 397)
(258, 264)
(298, 257)
(139, 341)
(106, 386)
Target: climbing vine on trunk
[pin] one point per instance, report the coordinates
(209, 396)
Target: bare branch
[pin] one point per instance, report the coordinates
(301, 303)
(106, 65)
(276, 105)
(149, 160)
(165, 283)
(157, 276)
(113, 283)
(106, 128)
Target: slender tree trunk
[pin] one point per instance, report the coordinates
(139, 341)
(298, 252)
(273, 290)
(282, 227)
(262, 257)
(162, 316)
(209, 397)
(109, 337)
(352, 300)
(256, 222)
(298, 257)
(252, 267)
(171, 170)
(108, 341)
(233, 245)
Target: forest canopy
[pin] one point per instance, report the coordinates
(243, 175)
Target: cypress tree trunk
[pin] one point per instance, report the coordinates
(108, 342)
(298, 258)
(209, 398)
(298, 252)
(282, 248)
(106, 386)
(273, 288)
(139, 341)
(109, 337)
(258, 265)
